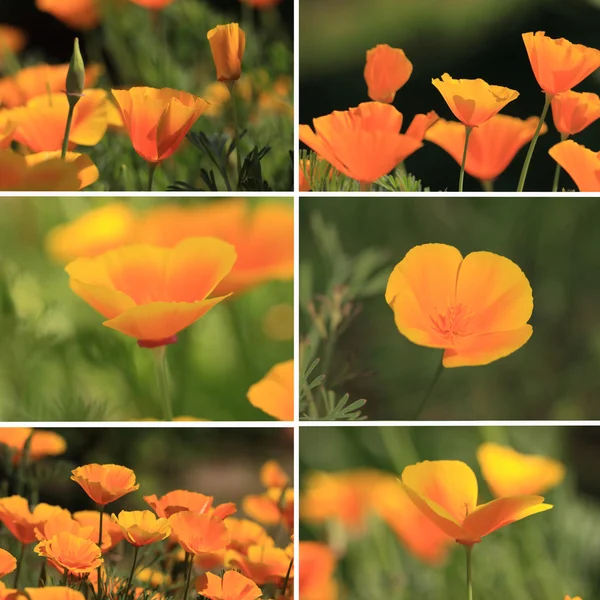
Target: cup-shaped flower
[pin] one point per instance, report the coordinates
(8, 563)
(21, 521)
(42, 443)
(79, 14)
(198, 534)
(51, 592)
(153, 293)
(476, 307)
(581, 163)
(65, 522)
(227, 44)
(445, 491)
(473, 101)
(76, 555)
(317, 567)
(178, 501)
(559, 65)
(510, 473)
(492, 145)
(572, 111)
(363, 143)
(142, 527)
(157, 120)
(387, 69)
(232, 586)
(274, 394)
(105, 483)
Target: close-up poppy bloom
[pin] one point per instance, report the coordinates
(581, 163)
(476, 308)
(274, 394)
(142, 527)
(387, 69)
(227, 44)
(105, 483)
(572, 111)
(186, 501)
(76, 555)
(231, 586)
(199, 534)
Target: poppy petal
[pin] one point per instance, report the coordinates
(238, 587)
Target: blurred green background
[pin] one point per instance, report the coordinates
(553, 240)
(466, 38)
(59, 363)
(543, 557)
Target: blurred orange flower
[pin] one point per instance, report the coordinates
(262, 564)
(153, 293)
(72, 553)
(8, 563)
(105, 483)
(317, 568)
(581, 163)
(78, 14)
(153, 4)
(142, 527)
(575, 598)
(275, 506)
(11, 39)
(445, 491)
(232, 586)
(227, 44)
(198, 534)
(492, 145)
(272, 475)
(50, 592)
(476, 307)
(574, 111)
(43, 443)
(21, 521)
(559, 65)
(91, 518)
(364, 142)
(387, 69)
(274, 393)
(157, 120)
(510, 473)
(473, 101)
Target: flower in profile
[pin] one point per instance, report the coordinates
(559, 65)
(317, 568)
(43, 443)
(272, 475)
(199, 534)
(363, 143)
(21, 521)
(476, 308)
(387, 69)
(227, 44)
(91, 518)
(78, 14)
(178, 501)
(142, 527)
(63, 521)
(72, 553)
(157, 120)
(473, 101)
(445, 491)
(12, 40)
(274, 393)
(152, 293)
(510, 473)
(105, 483)
(232, 586)
(492, 145)
(574, 111)
(51, 592)
(261, 564)
(8, 563)
(581, 163)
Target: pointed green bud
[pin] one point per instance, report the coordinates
(75, 75)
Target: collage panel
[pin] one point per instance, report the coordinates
(146, 95)
(443, 309)
(108, 513)
(449, 512)
(124, 309)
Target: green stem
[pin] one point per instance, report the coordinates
(534, 140)
(437, 375)
(190, 560)
(65, 144)
(469, 550)
(487, 185)
(151, 170)
(461, 178)
(162, 376)
(135, 557)
(236, 127)
(19, 563)
(100, 546)
(563, 137)
(65, 578)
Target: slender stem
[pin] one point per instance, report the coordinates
(65, 144)
(534, 140)
(19, 563)
(469, 550)
(189, 558)
(151, 170)
(65, 578)
(135, 557)
(100, 546)
(236, 127)
(287, 578)
(487, 185)
(162, 376)
(563, 137)
(42, 575)
(437, 375)
(461, 178)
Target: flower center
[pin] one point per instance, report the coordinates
(452, 323)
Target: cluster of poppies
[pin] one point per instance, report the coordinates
(177, 545)
(365, 144)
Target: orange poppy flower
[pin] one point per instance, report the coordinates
(363, 143)
(262, 564)
(317, 568)
(421, 124)
(8, 563)
(157, 120)
(105, 483)
(153, 293)
(274, 394)
(91, 518)
(21, 521)
(198, 534)
(65, 522)
(272, 475)
(11, 39)
(178, 501)
(559, 65)
(476, 307)
(492, 145)
(227, 45)
(581, 163)
(510, 473)
(574, 111)
(153, 4)
(575, 598)
(232, 586)
(473, 101)
(43, 443)
(72, 553)
(93, 233)
(78, 14)
(261, 4)
(50, 592)
(455, 510)
(273, 507)
(245, 533)
(263, 236)
(387, 69)
(142, 527)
